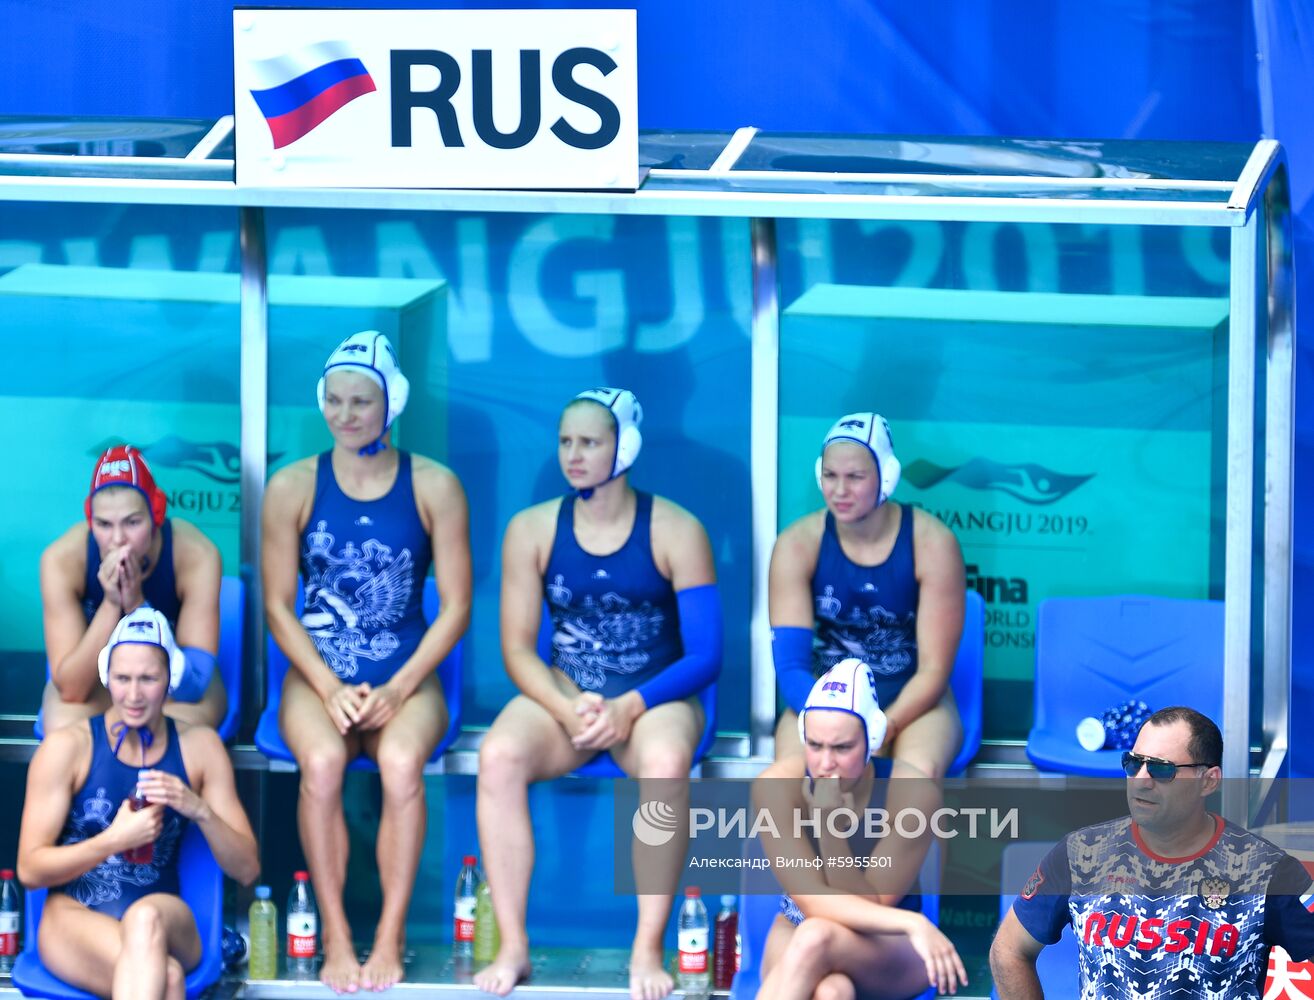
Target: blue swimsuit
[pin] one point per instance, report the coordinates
(363, 563)
(159, 590)
(615, 621)
(114, 884)
(869, 612)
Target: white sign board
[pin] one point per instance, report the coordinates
(542, 99)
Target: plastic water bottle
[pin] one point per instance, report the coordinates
(10, 918)
(723, 951)
(487, 938)
(302, 928)
(463, 920)
(145, 853)
(263, 963)
(693, 974)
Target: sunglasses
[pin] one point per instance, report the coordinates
(1160, 770)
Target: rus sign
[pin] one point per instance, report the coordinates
(544, 99)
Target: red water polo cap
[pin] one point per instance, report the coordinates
(124, 465)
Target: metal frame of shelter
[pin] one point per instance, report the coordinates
(1254, 205)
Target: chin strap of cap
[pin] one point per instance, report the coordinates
(120, 732)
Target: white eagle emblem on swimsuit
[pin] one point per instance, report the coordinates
(595, 638)
(352, 598)
(882, 639)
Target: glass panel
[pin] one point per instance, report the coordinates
(499, 320)
(1004, 157)
(101, 136)
(124, 322)
(930, 189)
(680, 150)
(1057, 396)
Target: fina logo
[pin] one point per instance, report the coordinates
(654, 823)
(1026, 481)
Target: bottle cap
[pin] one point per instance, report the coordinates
(729, 902)
(301, 876)
(1090, 734)
(693, 892)
(469, 859)
(262, 892)
(6, 873)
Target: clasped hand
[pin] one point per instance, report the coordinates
(363, 707)
(600, 723)
(120, 579)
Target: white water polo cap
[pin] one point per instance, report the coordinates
(871, 431)
(144, 627)
(848, 686)
(371, 353)
(627, 413)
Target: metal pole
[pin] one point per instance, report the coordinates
(254, 444)
(1279, 450)
(764, 462)
(1239, 543)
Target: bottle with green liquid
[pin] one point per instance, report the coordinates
(264, 936)
(487, 937)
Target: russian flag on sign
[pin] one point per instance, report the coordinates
(297, 91)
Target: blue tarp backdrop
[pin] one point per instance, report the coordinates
(1138, 69)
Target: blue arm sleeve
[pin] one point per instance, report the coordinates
(196, 674)
(1042, 905)
(1288, 919)
(700, 635)
(791, 651)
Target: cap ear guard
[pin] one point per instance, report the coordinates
(629, 439)
(146, 627)
(872, 430)
(850, 687)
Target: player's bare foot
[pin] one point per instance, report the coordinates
(511, 966)
(384, 968)
(649, 979)
(341, 969)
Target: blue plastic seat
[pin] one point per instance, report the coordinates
(1057, 964)
(967, 678)
(1093, 653)
(228, 661)
(604, 765)
(270, 740)
(759, 902)
(232, 593)
(202, 884)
